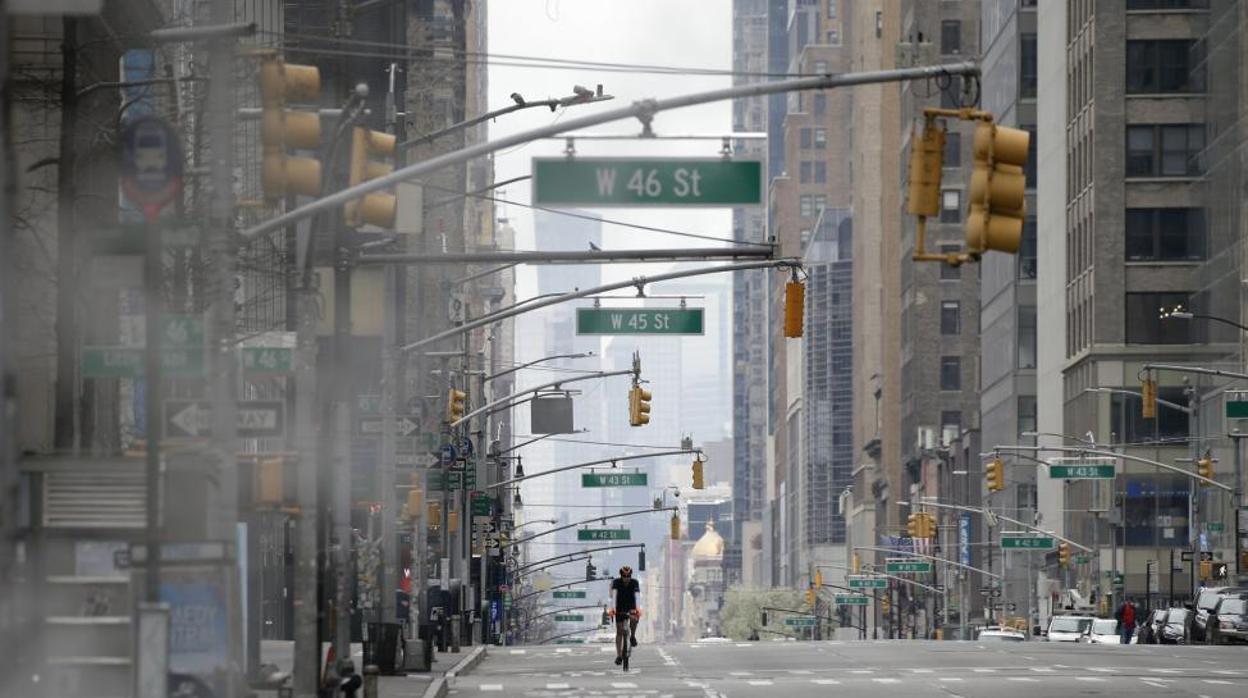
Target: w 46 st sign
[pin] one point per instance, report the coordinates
(647, 182)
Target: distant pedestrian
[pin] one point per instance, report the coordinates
(1126, 620)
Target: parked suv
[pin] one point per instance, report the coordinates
(1205, 603)
(1070, 629)
(1228, 621)
(1177, 627)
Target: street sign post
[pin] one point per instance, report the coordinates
(1026, 542)
(613, 479)
(569, 618)
(268, 359)
(850, 600)
(403, 425)
(1237, 405)
(604, 534)
(612, 321)
(801, 622)
(905, 566)
(569, 594)
(868, 583)
(127, 362)
(190, 419)
(647, 182)
(1082, 471)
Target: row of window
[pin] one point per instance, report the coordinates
(951, 324)
(1165, 150)
(814, 138)
(813, 171)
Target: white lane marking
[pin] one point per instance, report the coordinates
(741, 673)
(603, 650)
(1021, 678)
(695, 684)
(887, 680)
(623, 684)
(1042, 669)
(1226, 672)
(800, 671)
(950, 678)
(1219, 682)
(861, 671)
(518, 651)
(984, 671)
(557, 687)
(667, 658)
(490, 687)
(1166, 671)
(1088, 678)
(745, 644)
(826, 682)
(1103, 669)
(761, 682)
(563, 650)
(920, 671)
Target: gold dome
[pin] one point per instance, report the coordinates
(710, 546)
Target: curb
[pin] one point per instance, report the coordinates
(441, 685)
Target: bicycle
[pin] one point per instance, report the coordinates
(623, 634)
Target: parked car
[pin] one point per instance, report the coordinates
(1228, 622)
(995, 633)
(1205, 602)
(1069, 628)
(1146, 633)
(1104, 631)
(1177, 629)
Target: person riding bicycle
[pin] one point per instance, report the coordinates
(624, 608)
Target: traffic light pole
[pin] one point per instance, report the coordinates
(590, 520)
(590, 464)
(522, 568)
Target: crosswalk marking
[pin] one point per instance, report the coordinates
(921, 671)
(984, 671)
(1226, 672)
(1021, 678)
(1103, 669)
(1165, 671)
(826, 682)
(742, 673)
(887, 680)
(761, 682)
(518, 651)
(861, 671)
(1220, 682)
(800, 671)
(623, 684)
(1042, 669)
(557, 687)
(950, 678)
(745, 644)
(1088, 678)
(491, 687)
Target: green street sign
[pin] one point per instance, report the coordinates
(1214, 527)
(851, 600)
(604, 534)
(903, 567)
(1027, 542)
(613, 479)
(1237, 409)
(457, 480)
(569, 594)
(1083, 559)
(569, 618)
(268, 359)
(128, 362)
(368, 404)
(647, 182)
(1082, 471)
(640, 321)
(570, 641)
(867, 583)
(801, 622)
(131, 238)
(181, 331)
(482, 505)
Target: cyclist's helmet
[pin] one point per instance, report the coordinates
(626, 570)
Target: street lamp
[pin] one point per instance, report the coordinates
(513, 369)
(526, 523)
(1178, 312)
(580, 95)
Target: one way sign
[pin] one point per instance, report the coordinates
(193, 418)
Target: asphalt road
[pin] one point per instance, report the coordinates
(892, 668)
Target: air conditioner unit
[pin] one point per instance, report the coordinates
(926, 438)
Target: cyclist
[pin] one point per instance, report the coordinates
(624, 608)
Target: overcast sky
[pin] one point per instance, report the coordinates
(685, 33)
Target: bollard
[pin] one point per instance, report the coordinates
(371, 673)
(455, 633)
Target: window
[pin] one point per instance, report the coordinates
(1171, 150)
(805, 172)
(1029, 168)
(832, 8)
(1027, 250)
(1165, 66)
(948, 271)
(950, 373)
(821, 104)
(1165, 234)
(821, 67)
(805, 138)
(950, 37)
(950, 426)
(951, 206)
(821, 138)
(821, 172)
(834, 37)
(950, 317)
(806, 206)
(821, 201)
(1026, 336)
(1028, 66)
(1146, 326)
(1026, 413)
(953, 150)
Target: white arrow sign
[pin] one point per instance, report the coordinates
(254, 419)
(402, 426)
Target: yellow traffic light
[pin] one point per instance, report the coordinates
(1148, 394)
(675, 526)
(452, 521)
(455, 400)
(927, 525)
(994, 474)
(810, 598)
(885, 604)
(1206, 569)
(373, 209)
(415, 500)
(269, 487)
(857, 564)
(927, 153)
(280, 128)
(794, 305)
(818, 578)
(698, 482)
(1204, 468)
(638, 406)
(913, 525)
(1063, 554)
(997, 189)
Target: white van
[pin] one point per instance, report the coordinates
(1069, 629)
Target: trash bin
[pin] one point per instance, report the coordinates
(382, 646)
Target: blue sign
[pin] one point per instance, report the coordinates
(1204, 542)
(964, 538)
(496, 610)
(198, 625)
(447, 454)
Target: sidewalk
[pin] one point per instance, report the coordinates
(416, 684)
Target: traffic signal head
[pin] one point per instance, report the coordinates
(415, 500)
(590, 571)
(638, 406)
(913, 525)
(698, 482)
(1204, 468)
(927, 152)
(997, 206)
(857, 564)
(994, 474)
(818, 578)
(675, 527)
(1206, 569)
(794, 305)
(269, 487)
(927, 524)
(1148, 396)
(641, 560)
(281, 128)
(1063, 554)
(455, 404)
(764, 618)
(374, 209)
(810, 597)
